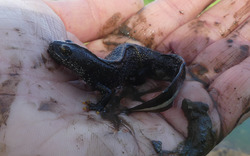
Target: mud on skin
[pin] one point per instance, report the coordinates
(8, 89)
(201, 137)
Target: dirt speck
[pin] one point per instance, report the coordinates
(217, 23)
(244, 48)
(198, 69)
(48, 105)
(8, 90)
(111, 24)
(230, 41)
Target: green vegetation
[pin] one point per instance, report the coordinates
(211, 5)
(239, 138)
(147, 1)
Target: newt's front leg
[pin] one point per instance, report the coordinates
(106, 95)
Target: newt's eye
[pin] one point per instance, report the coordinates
(69, 41)
(66, 50)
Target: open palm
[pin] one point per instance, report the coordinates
(41, 110)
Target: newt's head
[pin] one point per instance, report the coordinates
(70, 55)
(61, 51)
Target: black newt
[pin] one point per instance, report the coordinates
(126, 64)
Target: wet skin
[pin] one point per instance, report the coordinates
(128, 64)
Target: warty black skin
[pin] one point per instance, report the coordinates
(201, 136)
(127, 64)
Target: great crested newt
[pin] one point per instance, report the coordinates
(127, 64)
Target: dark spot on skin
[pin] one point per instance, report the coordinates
(140, 34)
(111, 23)
(207, 40)
(51, 69)
(216, 23)
(244, 48)
(225, 15)
(110, 45)
(39, 62)
(127, 30)
(149, 41)
(234, 36)
(15, 68)
(229, 46)
(140, 19)
(35, 66)
(8, 83)
(6, 33)
(20, 33)
(13, 74)
(217, 69)
(181, 12)
(117, 38)
(8, 90)
(124, 30)
(197, 26)
(49, 105)
(198, 69)
(5, 103)
(17, 29)
(229, 41)
(234, 57)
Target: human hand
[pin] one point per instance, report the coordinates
(44, 112)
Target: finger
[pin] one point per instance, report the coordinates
(223, 54)
(91, 19)
(231, 93)
(154, 22)
(216, 23)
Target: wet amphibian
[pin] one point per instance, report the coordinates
(128, 64)
(201, 136)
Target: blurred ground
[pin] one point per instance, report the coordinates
(236, 143)
(226, 152)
